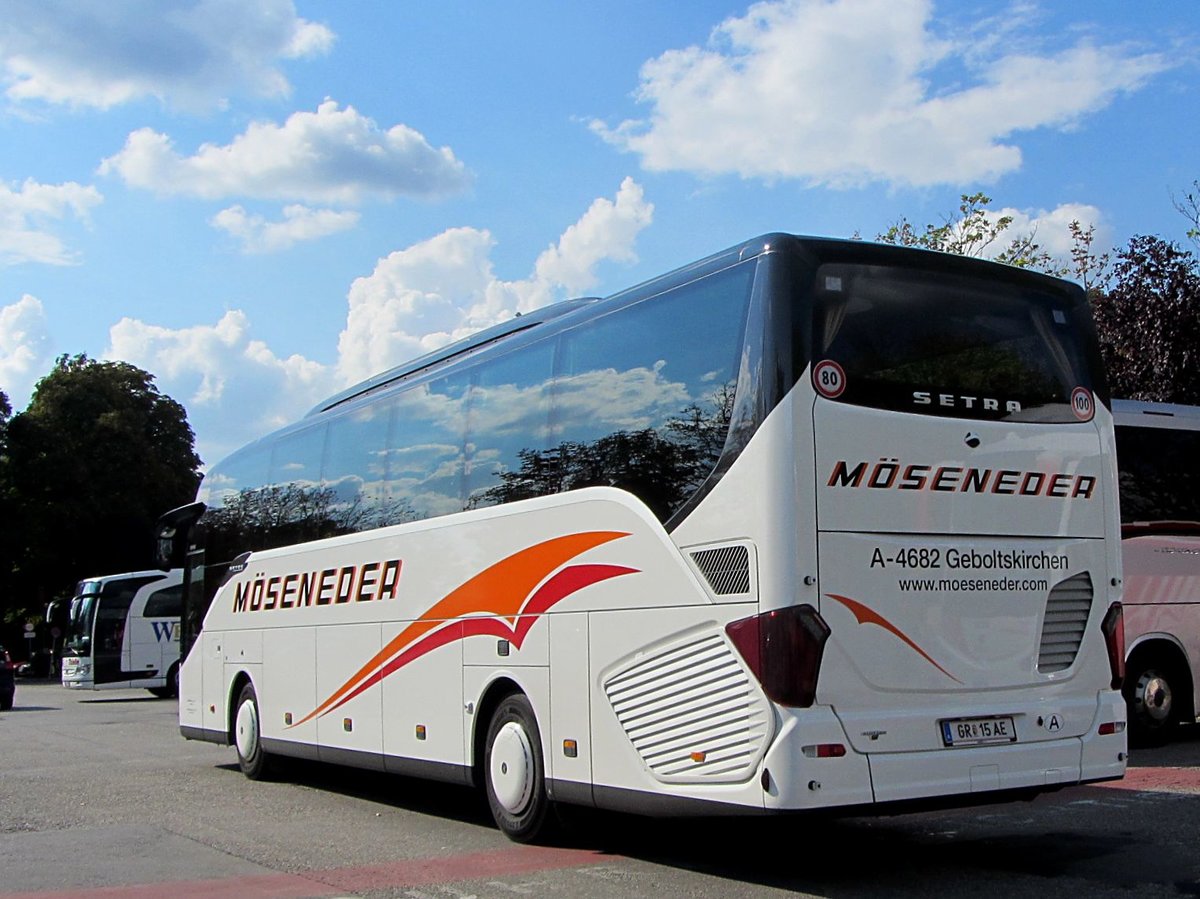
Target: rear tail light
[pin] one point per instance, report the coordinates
(1114, 639)
(783, 649)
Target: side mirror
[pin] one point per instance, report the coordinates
(171, 535)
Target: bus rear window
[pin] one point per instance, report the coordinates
(944, 344)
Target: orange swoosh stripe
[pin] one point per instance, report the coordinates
(563, 584)
(497, 590)
(865, 615)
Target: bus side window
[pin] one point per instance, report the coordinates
(650, 415)
(165, 603)
(509, 451)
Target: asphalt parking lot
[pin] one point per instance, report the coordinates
(101, 797)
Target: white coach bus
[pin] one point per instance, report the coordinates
(808, 524)
(1158, 454)
(123, 631)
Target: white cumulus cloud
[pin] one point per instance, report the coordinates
(233, 386)
(25, 350)
(190, 53)
(1051, 229)
(423, 297)
(26, 213)
(333, 155)
(850, 92)
(299, 223)
(236, 388)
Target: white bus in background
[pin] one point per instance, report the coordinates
(123, 631)
(808, 524)
(1158, 454)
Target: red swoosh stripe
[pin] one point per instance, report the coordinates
(501, 590)
(562, 585)
(865, 615)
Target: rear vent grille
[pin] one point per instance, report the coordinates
(1067, 610)
(692, 712)
(726, 568)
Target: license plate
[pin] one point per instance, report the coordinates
(978, 731)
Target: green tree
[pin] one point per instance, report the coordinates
(1148, 322)
(87, 469)
(974, 231)
(1189, 207)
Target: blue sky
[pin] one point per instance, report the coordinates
(260, 203)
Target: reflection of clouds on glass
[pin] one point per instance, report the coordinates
(612, 400)
(503, 409)
(418, 458)
(293, 466)
(432, 407)
(346, 489)
(433, 504)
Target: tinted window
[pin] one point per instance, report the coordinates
(354, 495)
(939, 344)
(292, 506)
(645, 393)
(508, 424)
(234, 520)
(426, 456)
(1159, 474)
(165, 603)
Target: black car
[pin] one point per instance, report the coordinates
(8, 680)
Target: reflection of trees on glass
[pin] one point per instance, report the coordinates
(895, 332)
(973, 368)
(662, 469)
(282, 514)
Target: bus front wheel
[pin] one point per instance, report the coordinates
(515, 771)
(247, 736)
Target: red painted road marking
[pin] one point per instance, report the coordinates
(335, 881)
(1169, 780)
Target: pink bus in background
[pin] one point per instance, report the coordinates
(1158, 455)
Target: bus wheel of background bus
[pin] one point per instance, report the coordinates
(171, 689)
(252, 758)
(514, 771)
(1151, 694)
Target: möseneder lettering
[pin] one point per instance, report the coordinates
(889, 474)
(367, 582)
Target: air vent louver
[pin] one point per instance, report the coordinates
(691, 712)
(1067, 609)
(726, 568)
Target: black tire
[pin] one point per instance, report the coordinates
(514, 772)
(254, 761)
(1152, 695)
(171, 689)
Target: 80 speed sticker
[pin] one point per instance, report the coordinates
(829, 379)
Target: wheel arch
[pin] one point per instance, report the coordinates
(235, 691)
(1166, 649)
(494, 693)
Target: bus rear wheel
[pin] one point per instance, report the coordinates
(171, 689)
(1151, 697)
(515, 772)
(254, 761)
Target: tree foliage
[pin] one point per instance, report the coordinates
(85, 472)
(1189, 207)
(1145, 296)
(975, 231)
(1149, 323)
